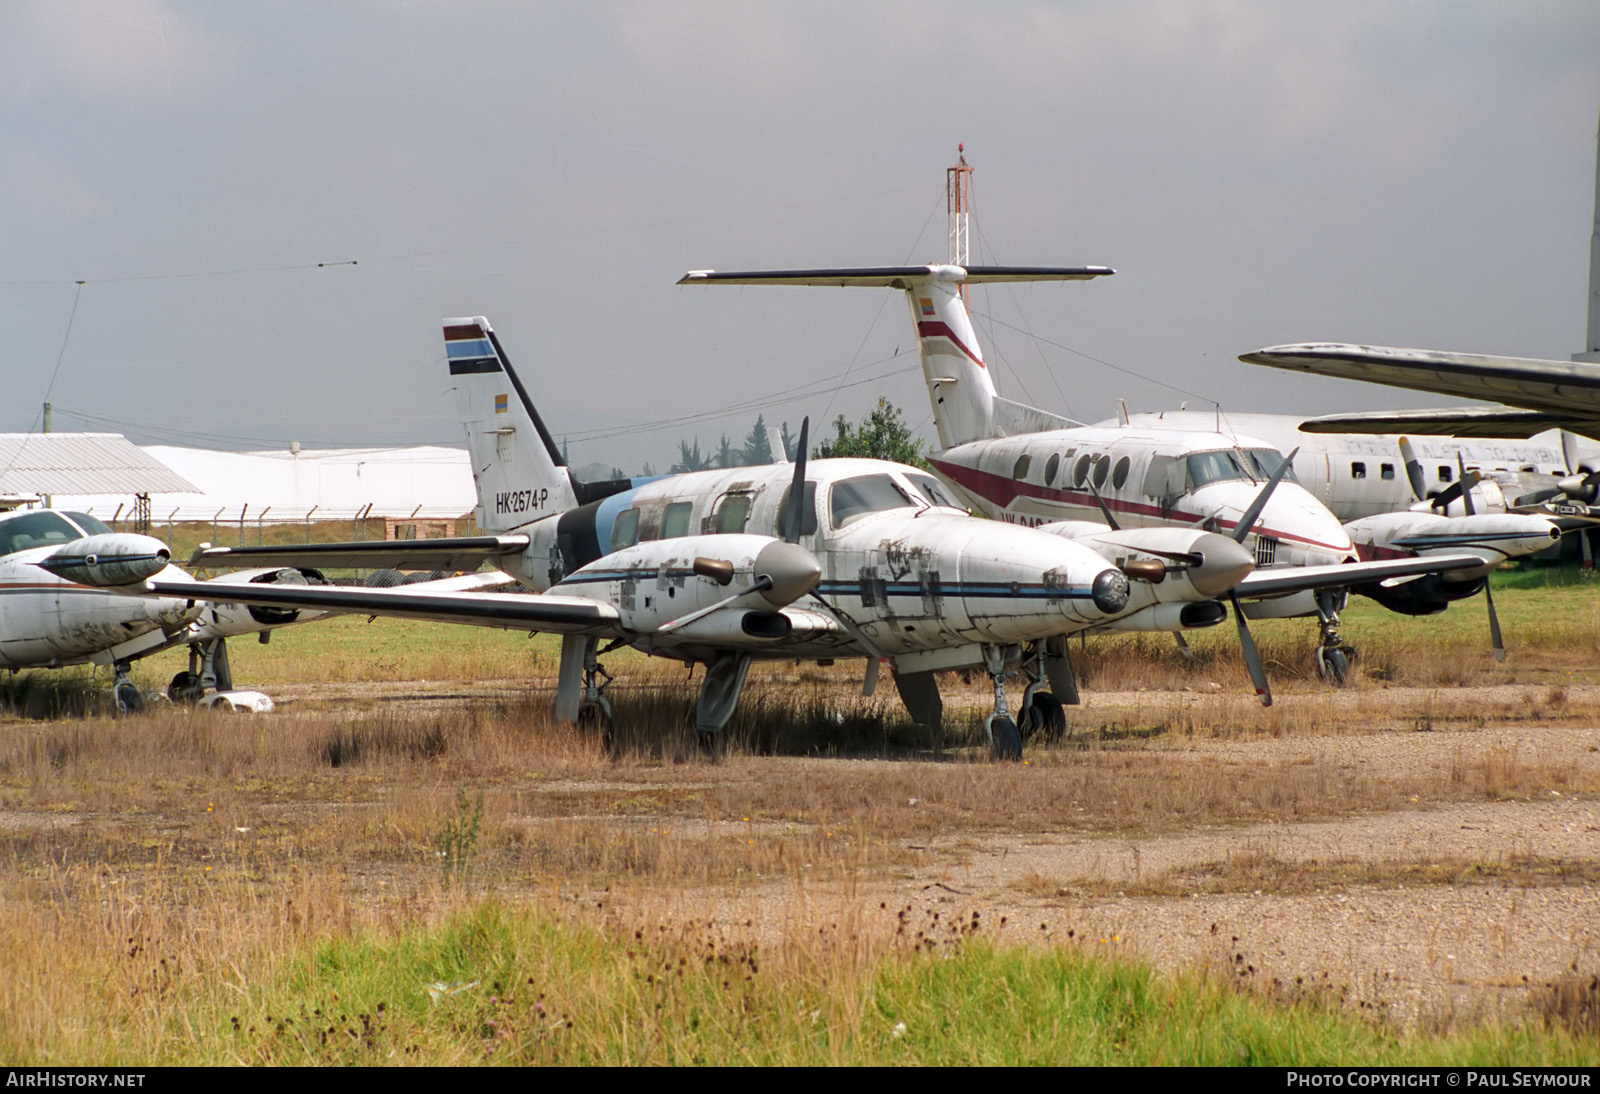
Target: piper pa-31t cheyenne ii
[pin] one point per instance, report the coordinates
(838, 557)
(1022, 464)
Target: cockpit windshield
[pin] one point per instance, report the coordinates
(852, 499)
(1254, 464)
(1267, 461)
(42, 529)
(929, 487)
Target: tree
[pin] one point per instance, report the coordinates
(757, 446)
(788, 440)
(690, 459)
(727, 455)
(881, 435)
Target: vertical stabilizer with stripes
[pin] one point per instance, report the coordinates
(516, 466)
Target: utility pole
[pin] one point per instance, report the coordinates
(958, 208)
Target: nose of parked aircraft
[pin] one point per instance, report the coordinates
(1223, 564)
(793, 571)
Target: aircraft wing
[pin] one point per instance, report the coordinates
(451, 553)
(895, 277)
(515, 611)
(1286, 580)
(1472, 421)
(1556, 387)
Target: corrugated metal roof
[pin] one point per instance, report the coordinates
(83, 463)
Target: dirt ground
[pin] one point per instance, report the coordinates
(1431, 913)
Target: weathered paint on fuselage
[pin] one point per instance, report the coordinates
(1039, 478)
(913, 577)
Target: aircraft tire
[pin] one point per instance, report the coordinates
(185, 687)
(1044, 715)
(1333, 666)
(1005, 739)
(128, 698)
(594, 718)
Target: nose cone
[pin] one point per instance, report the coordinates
(1223, 564)
(793, 571)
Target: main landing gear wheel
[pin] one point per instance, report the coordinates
(127, 696)
(594, 716)
(1333, 663)
(1042, 714)
(1005, 740)
(185, 687)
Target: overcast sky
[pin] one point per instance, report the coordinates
(1402, 173)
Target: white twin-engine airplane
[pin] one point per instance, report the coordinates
(831, 558)
(1021, 464)
(61, 576)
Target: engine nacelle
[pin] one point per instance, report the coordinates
(1426, 595)
(108, 559)
(223, 619)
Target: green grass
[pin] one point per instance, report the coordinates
(519, 985)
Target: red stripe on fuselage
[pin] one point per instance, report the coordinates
(936, 329)
(1003, 491)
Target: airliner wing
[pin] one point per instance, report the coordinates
(451, 553)
(1286, 580)
(1555, 387)
(1489, 421)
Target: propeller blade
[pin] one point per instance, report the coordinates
(850, 627)
(1105, 510)
(797, 488)
(1588, 551)
(1494, 625)
(1569, 452)
(760, 583)
(1466, 486)
(870, 683)
(1252, 514)
(1408, 456)
(1252, 659)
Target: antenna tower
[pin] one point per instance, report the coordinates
(958, 209)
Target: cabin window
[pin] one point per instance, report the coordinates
(851, 499)
(1080, 471)
(808, 512)
(1120, 475)
(1020, 471)
(625, 532)
(1051, 466)
(1386, 470)
(732, 513)
(1358, 470)
(1446, 473)
(675, 520)
(1102, 468)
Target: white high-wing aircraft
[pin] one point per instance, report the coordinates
(1021, 464)
(60, 576)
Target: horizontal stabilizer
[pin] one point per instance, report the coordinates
(895, 277)
(454, 553)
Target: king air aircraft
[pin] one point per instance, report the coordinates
(1023, 465)
(826, 559)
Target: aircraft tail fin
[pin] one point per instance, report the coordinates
(517, 468)
(966, 405)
